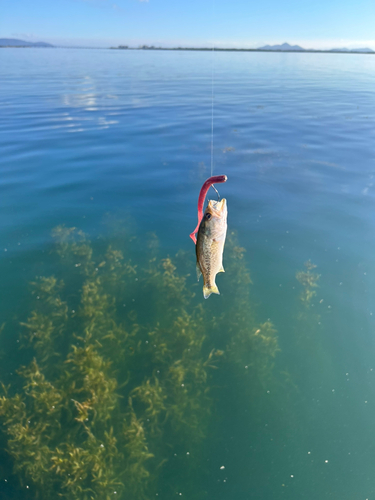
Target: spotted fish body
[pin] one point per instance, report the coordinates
(210, 245)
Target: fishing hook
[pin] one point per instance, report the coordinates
(217, 192)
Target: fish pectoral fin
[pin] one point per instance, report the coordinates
(199, 272)
(207, 290)
(221, 270)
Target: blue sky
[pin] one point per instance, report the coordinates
(240, 23)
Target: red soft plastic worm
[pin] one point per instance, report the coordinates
(216, 179)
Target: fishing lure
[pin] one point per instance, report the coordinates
(216, 179)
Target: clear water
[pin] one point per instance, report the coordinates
(117, 144)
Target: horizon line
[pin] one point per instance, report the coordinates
(284, 47)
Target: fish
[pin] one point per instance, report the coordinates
(210, 245)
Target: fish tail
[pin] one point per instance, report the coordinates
(207, 290)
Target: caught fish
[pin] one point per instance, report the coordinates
(210, 245)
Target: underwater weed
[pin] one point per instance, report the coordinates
(108, 395)
(309, 281)
(72, 428)
(47, 323)
(252, 347)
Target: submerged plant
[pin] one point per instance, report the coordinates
(252, 346)
(111, 391)
(309, 281)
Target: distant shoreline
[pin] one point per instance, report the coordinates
(196, 49)
(207, 49)
(24, 47)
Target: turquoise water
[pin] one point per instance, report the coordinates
(117, 144)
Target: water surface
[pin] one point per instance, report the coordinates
(117, 144)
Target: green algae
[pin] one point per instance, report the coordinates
(111, 392)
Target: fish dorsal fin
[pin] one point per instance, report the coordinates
(199, 272)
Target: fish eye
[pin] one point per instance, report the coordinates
(208, 216)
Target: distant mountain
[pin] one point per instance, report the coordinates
(14, 42)
(365, 50)
(283, 47)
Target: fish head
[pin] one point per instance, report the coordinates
(217, 209)
(214, 222)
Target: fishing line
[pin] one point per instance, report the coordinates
(212, 94)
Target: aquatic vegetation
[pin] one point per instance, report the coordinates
(253, 346)
(309, 315)
(309, 281)
(111, 390)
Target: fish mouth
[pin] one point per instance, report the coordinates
(218, 207)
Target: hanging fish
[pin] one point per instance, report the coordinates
(210, 245)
